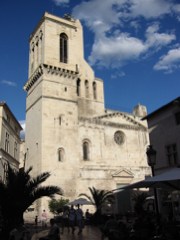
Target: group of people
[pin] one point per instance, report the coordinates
(73, 217)
(70, 218)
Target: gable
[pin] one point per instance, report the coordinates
(120, 119)
(122, 173)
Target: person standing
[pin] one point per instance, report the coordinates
(44, 218)
(72, 218)
(79, 218)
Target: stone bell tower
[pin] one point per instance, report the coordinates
(61, 88)
(68, 131)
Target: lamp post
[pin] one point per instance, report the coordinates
(151, 159)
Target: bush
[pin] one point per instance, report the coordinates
(56, 205)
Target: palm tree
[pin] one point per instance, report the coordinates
(98, 198)
(18, 192)
(139, 199)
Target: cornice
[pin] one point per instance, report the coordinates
(48, 69)
(123, 115)
(98, 120)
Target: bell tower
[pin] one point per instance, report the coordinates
(61, 89)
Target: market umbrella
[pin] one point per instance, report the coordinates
(80, 201)
(169, 179)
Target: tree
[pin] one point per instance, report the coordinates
(18, 192)
(139, 199)
(98, 198)
(56, 205)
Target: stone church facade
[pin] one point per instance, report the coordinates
(68, 130)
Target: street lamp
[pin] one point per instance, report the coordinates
(151, 159)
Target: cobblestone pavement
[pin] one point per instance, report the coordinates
(89, 233)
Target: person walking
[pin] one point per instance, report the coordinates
(79, 218)
(72, 218)
(65, 220)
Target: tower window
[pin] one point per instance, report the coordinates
(94, 90)
(86, 150)
(86, 89)
(61, 154)
(63, 48)
(78, 85)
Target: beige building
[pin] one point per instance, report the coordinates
(164, 127)
(9, 140)
(68, 130)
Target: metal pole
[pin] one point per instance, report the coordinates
(156, 199)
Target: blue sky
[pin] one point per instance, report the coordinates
(133, 45)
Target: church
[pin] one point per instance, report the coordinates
(68, 130)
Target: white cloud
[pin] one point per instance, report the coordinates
(9, 83)
(116, 50)
(117, 75)
(155, 39)
(23, 125)
(169, 62)
(113, 47)
(60, 2)
(99, 16)
(176, 8)
(149, 8)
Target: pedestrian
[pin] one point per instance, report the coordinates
(65, 220)
(54, 232)
(44, 219)
(72, 218)
(87, 216)
(36, 220)
(79, 218)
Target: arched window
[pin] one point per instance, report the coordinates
(61, 154)
(94, 90)
(78, 85)
(86, 150)
(63, 48)
(86, 89)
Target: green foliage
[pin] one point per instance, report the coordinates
(18, 193)
(56, 205)
(139, 199)
(98, 198)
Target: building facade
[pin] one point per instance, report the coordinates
(164, 128)
(9, 140)
(68, 130)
